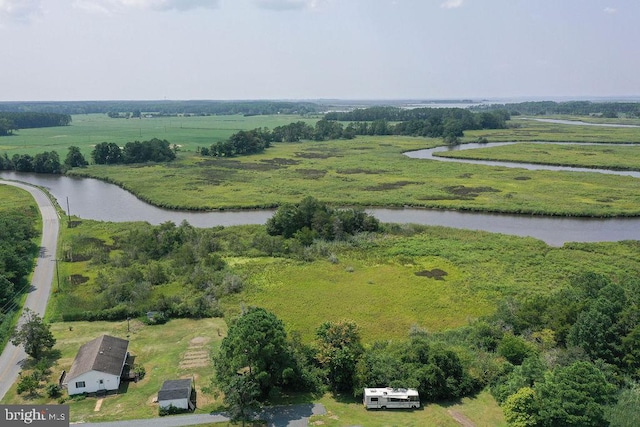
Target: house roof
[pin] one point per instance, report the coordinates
(104, 354)
(175, 389)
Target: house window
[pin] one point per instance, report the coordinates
(80, 384)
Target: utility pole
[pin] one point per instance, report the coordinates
(57, 274)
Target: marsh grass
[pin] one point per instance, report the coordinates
(587, 156)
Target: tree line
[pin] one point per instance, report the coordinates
(11, 121)
(448, 123)
(17, 252)
(581, 108)
(168, 108)
(258, 357)
(154, 150)
(45, 162)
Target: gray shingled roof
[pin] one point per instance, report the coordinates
(175, 389)
(104, 354)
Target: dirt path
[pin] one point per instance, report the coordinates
(461, 419)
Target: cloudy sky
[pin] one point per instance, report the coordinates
(312, 49)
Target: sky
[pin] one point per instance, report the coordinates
(66, 50)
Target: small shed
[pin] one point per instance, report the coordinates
(176, 393)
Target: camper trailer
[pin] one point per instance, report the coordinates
(388, 397)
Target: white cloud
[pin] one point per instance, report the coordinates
(610, 10)
(112, 6)
(452, 4)
(288, 4)
(19, 10)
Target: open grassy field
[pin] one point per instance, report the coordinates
(179, 349)
(586, 156)
(86, 130)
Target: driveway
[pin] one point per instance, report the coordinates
(41, 281)
(276, 416)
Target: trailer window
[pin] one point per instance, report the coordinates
(374, 399)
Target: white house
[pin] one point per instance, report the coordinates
(98, 366)
(176, 393)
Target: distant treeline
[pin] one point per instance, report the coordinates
(10, 121)
(582, 108)
(448, 123)
(166, 107)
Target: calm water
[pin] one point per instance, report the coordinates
(93, 199)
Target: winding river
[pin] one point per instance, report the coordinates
(94, 199)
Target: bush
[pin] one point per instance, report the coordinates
(52, 390)
(171, 410)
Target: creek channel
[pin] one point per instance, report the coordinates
(94, 199)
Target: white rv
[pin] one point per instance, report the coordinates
(387, 398)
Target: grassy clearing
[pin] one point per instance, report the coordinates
(16, 198)
(586, 156)
(482, 410)
(162, 350)
(376, 283)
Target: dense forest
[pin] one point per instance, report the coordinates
(17, 252)
(11, 121)
(579, 108)
(169, 108)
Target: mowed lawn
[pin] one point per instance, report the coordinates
(179, 349)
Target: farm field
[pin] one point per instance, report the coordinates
(586, 156)
(87, 130)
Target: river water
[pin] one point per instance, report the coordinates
(94, 199)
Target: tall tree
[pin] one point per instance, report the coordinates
(34, 335)
(339, 350)
(256, 345)
(74, 158)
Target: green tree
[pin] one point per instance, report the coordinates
(29, 384)
(74, 158)
(34, 335)
(576, 395)
(255, 345)
(520, 409)
(339, 349)
(241, 395)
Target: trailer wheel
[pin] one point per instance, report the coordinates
(383, 407)
(414, 407)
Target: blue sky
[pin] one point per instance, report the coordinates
(311, 49)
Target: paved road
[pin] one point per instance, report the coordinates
(277, 416)
(42, 279)
(40, 283)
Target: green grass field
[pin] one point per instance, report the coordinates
(89, 129)
(586, 156)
